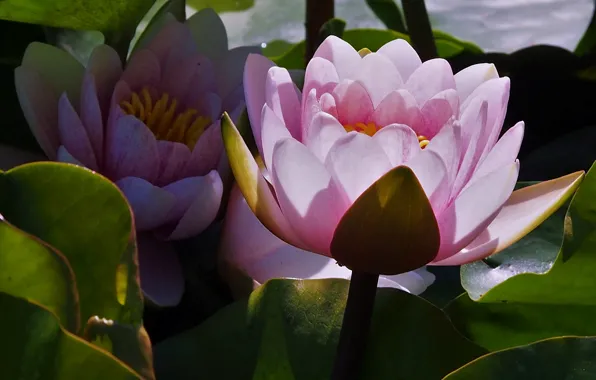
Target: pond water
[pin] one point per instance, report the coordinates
(495, 25)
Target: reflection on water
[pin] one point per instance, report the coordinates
(495, 25)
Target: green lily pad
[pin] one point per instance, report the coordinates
(87, 219)
(129, 343)
(35, 346)
(107, 16)
(33, 270)
(289, 329)
(538, 294)
(383, 234)
(221, 6)
(570, 358)
(447, 45)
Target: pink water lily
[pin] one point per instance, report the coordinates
(152, 126)
(357, 118)
(249, 250)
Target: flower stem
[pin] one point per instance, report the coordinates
(356, 324)
(419, 29)
(318, 12)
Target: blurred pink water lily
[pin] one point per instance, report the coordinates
(360, 116)
(152, 127)
(249, 250)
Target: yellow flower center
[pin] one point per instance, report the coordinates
(371, 128)
(165, 119)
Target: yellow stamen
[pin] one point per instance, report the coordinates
(371, 128)
(165, 118)
(138, 106)
(368, 129)
(148, 101)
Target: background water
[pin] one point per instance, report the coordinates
(495, 25)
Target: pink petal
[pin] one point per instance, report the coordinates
(503, 153)
(447, 145)
(309, 198)
(249, 247)
(121, 92)
(173, 36)
(255, 79)
(437, 111)
(203, 81)
(229, 70)
(150, 204)
(173, 157)
(432, 77)
(399, 107)
(206, 152)
(525, 210)
(473, 135)
(272, 131)
(378, 76)
(282, 99)
(413, 282)
(234, 99)
(158, 22)
(91, 117)
(209, 105)
(142, 69)
(321, 75)
(256, 190)
(39, 103)
(341, 54)
(354, 104)
(324, 130)
(402, 55)
(197, 201)
(474, 209)
(73, 135)
(209, 33)
(64, 155)
(311, 107)
(399, 142)
(328, 105)
(467, 80)
(106, 68)
(176, 78)
(356, 161)
(432, 175)
(161, 276)
(131, 150)
(496, 93)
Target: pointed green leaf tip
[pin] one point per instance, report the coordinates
(390, 229)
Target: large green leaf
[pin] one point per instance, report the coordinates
(447, 46)
(107, 16)
(129, 343)
(288, 329)
(34, 346)
(86, 218)
(221, 6)
(570, 358)
(390, 229)
(33, 270)
(533, 295)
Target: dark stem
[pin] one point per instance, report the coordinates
(318, 12)
(356, 324)
(419, 29)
